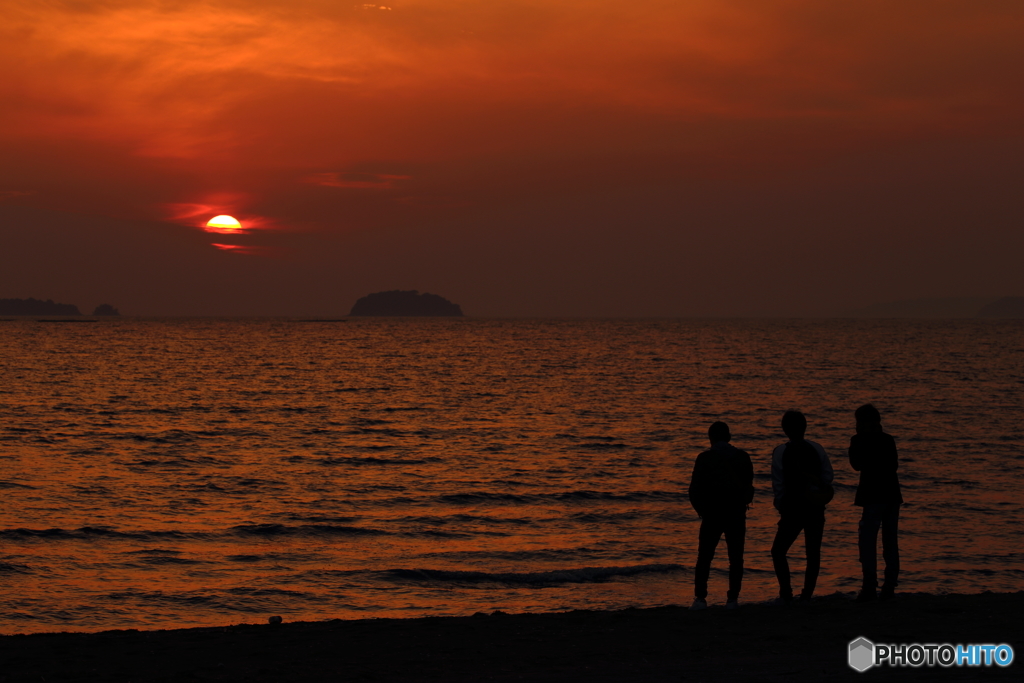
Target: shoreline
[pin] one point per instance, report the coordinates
(759, 641)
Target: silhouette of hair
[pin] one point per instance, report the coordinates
(794, 424)
(867, 413)
(719, 431)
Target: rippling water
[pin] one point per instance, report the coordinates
(167, 473)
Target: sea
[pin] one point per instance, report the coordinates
(169, 473)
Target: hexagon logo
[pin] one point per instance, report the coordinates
(862, 654)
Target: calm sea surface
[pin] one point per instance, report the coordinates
(169, 473)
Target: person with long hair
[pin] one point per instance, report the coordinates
(873, 454)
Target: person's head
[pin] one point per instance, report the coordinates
(719, 431)
(868, 419)
(794, 424)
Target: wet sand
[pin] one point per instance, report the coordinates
(756, 642)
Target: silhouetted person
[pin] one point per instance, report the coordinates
(873, 454)
(801, 481)
(721, 488)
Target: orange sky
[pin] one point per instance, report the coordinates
(519, 157)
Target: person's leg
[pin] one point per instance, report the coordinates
(789, 529)
(707, 541)
(814, 530)
(867, 540)
(890, 519)
(735, 538)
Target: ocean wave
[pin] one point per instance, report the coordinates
(1003, 559)
(376, 461)
(153, 551)
(304, 530)
(485, 497)
(245, 590)
(574, 554)
(244, 600)
(244, 530)
(320, 519)
(463, 519)
(441, 533)
(171, 462)
(86, 532)
(579, 575)
(276, 557)
(379, 431)
(563, 496)
(245, 558)
(169, 559)
(301, 409)
(347, 389)
(594, 517)
(627, 496)
(169, 436)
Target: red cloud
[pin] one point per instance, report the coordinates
(359, 181)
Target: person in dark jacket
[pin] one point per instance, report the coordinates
(873, 454)
(721, 488)
(801, 475)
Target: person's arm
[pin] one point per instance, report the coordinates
(697, 485)
(777, 479)
(827, 474)
(892, 455)
(748, 477)
(856, 456)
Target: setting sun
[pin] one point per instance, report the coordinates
(224, 223)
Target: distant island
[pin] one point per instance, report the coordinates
(105, 309)
(405, 303)
(36, 307)
(949, 307)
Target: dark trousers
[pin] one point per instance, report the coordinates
(887, 516)
(812, 523)
(734, 525)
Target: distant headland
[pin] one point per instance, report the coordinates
(950, 307)
(36, 307)
(405, 303)
(48, 307)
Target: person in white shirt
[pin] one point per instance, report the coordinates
(802, 483)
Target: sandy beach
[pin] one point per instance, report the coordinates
(671, 643)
